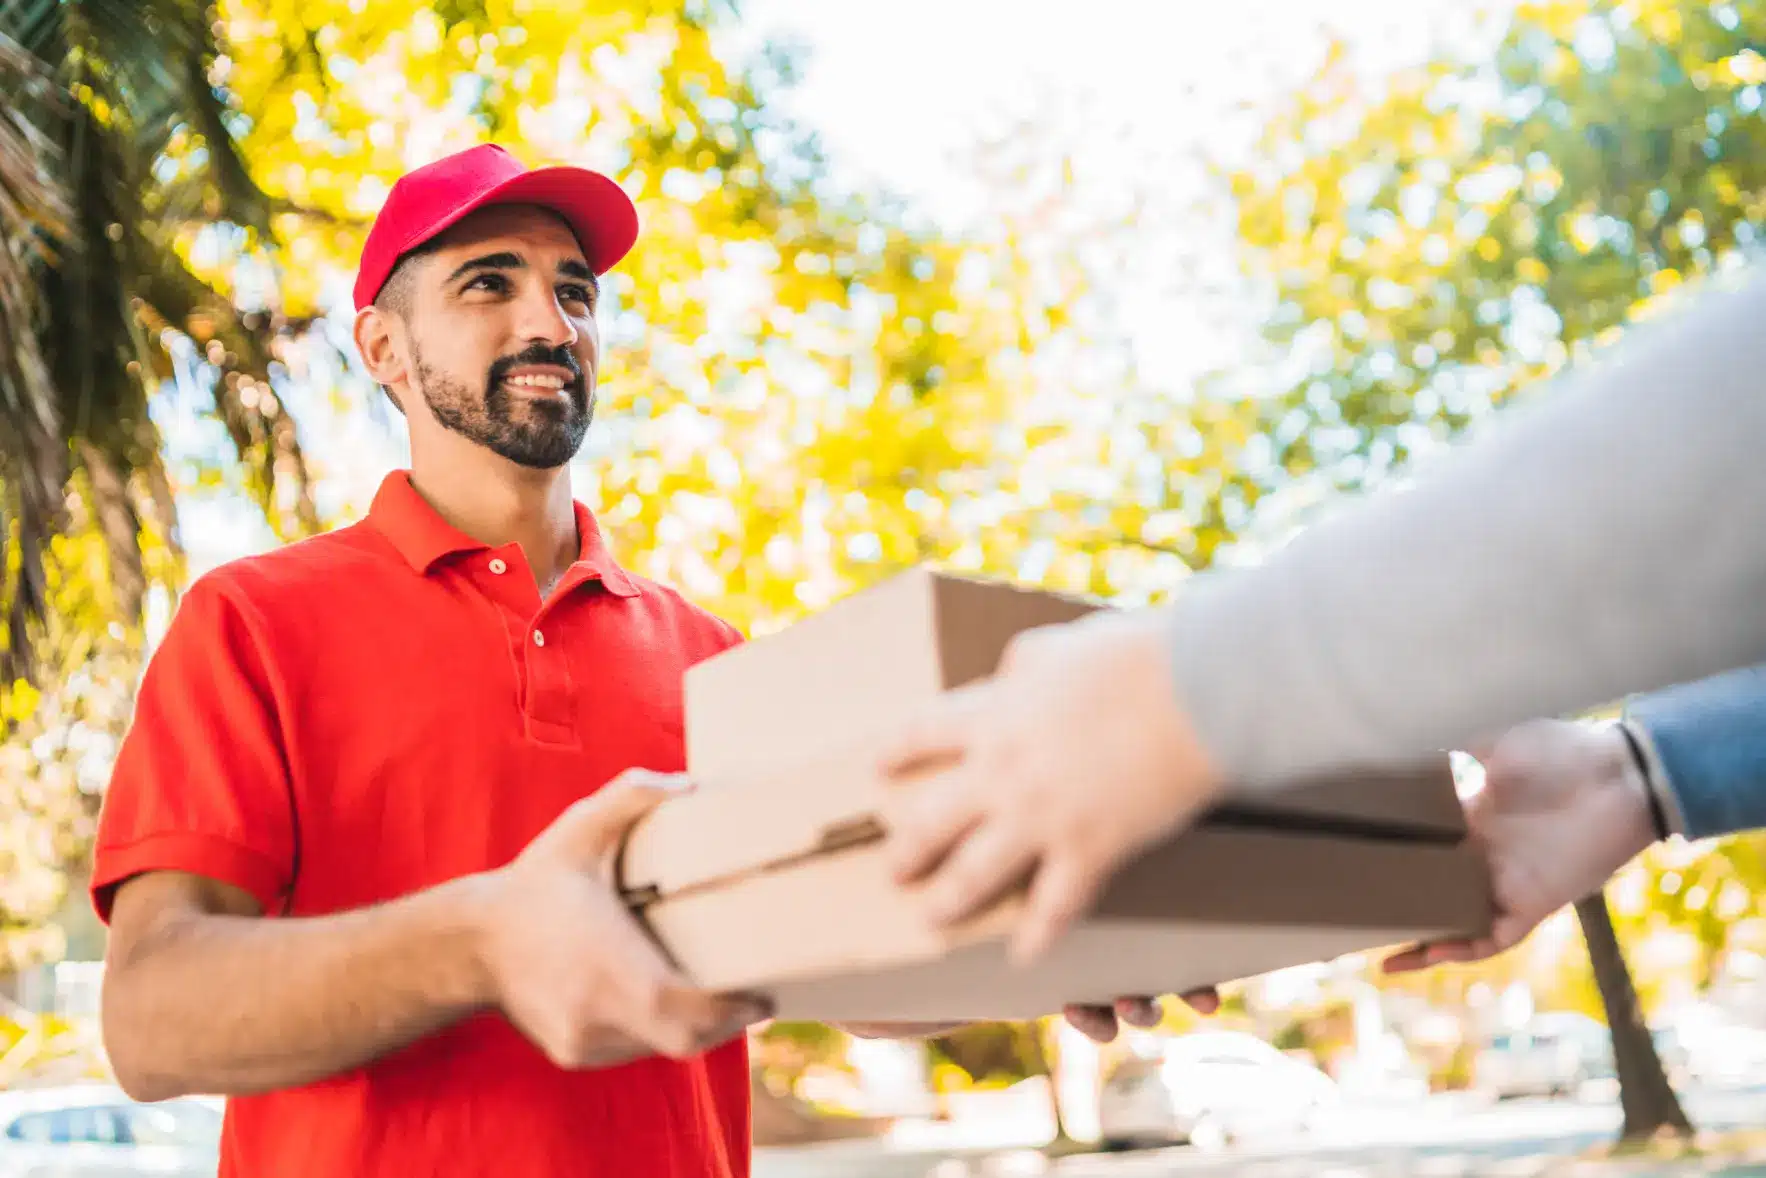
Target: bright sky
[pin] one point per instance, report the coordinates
(902, 92)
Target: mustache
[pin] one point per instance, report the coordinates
(537, 354)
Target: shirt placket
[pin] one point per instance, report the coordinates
(535, 632)
(547, 702)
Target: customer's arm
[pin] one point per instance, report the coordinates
(1704, 749)
(1608, 538)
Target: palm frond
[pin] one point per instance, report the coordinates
(32, 25)
(99, 95)
(165, 80)
(242, 346)
(33, 464)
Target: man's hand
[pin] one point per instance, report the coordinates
(1073, 756)
(569, 965)
(1100, 1023)
(1563, 807)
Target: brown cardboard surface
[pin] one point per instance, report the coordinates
(859, 668)
(831, 937)
(772, 877)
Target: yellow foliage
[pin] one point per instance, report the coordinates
(803, 390)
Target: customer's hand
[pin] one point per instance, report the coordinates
(1563, 807)
(570, 966)
(1072, 757)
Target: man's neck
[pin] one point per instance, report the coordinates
(497, 502)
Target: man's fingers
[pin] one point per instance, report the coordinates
(653, 1002)
(1406, 960)
(1203, 1001)
(1435, 953)
(678, 1020)
(1061, 891)
(610, 1047)
(985, 863)
(740, 1011)
(1097, 1023)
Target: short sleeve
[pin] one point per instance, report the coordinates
(729, 635)
(201, 782)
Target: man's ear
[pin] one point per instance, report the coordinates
(375, 341)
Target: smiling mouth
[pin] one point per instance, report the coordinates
(538, 382)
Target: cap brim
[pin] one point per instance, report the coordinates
(598, 210)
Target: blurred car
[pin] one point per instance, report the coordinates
(1672, 1051)
(98, 1131)
(1553, 1055)
(1709, 1047)
(1209, 1089)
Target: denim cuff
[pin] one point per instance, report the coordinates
(1656, 779)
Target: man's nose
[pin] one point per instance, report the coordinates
(542, 319)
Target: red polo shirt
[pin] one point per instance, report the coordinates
(382, 708)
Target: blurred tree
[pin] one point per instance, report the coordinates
(797, 379)
(114, 146)
(115, 149)
(1437, 239)
(999, 1054)
(806, 388)
(784, 1051)
(1433, 241)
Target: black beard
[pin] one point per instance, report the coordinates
(546, 437)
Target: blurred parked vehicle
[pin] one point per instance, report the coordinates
(1710, 1047)
(1553, 1055)
(98, 1131)
(1209, 1089)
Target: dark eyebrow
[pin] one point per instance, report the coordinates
(502, 261)
(571, 268)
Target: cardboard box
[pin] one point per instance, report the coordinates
(771, 876)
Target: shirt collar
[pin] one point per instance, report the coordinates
(423, 537)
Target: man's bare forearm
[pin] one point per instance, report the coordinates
(233, 1004)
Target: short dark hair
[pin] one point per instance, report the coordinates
(395, 292)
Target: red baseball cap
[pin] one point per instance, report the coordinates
(435, 196)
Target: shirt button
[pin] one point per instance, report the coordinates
(497, 566)
(539, 639)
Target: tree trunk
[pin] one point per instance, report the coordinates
(1645, 1096)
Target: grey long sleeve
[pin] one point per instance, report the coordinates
(1608, 536)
